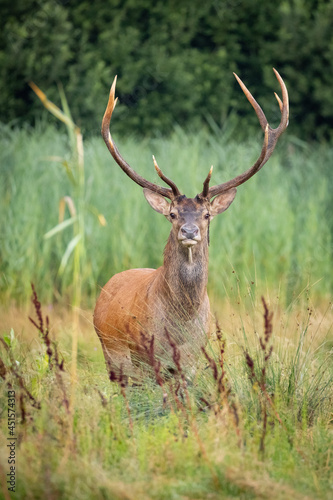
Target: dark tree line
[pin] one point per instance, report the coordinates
(174, 60)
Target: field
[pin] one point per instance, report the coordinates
(256, 419)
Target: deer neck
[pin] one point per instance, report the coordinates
(185, 274)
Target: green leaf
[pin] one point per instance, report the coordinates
(69, 172)
(50, 106)
(10, 339)
(70, 247)
(60, 227)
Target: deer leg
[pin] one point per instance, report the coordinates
(118, 358)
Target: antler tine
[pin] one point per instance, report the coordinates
(259, 112)
(270, 139)
(205, 190)
(284, 105)
(164, 178)
(105, 130)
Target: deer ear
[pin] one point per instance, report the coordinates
(222, 202)
(157, 201)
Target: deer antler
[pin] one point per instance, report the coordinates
(270, 140)
(168, 193)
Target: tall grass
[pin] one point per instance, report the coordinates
(255, 422)
(278, 232)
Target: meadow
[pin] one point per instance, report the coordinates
(256, 419)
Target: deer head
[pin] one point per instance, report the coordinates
(189, 217)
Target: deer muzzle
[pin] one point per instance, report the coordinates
(189, 235)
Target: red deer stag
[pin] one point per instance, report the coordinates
(170, 301)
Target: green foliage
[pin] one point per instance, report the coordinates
(174, 60)
(277, 232)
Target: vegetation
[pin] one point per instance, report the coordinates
(174, 60)
(254, 422)
(278, 232)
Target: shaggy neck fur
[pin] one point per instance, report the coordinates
(186, 282)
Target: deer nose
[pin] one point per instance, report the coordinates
(189, 231)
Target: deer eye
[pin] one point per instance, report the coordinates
(207, 215)
(172, 215)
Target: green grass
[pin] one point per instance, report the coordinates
(204, 443)
(277, 233)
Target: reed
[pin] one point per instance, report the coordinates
(278, 233)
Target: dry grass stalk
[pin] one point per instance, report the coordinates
(51, 347)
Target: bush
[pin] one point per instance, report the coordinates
(174, 60)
